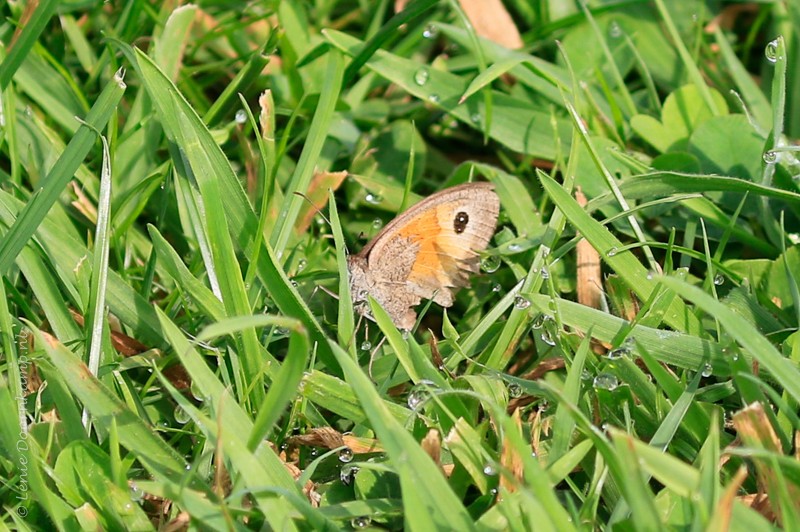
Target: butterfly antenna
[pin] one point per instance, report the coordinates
(372, 358)
(313, 206)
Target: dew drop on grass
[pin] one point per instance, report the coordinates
(521, 303)
(719, 279)
(373, 198)
(514, 390)
(771, 51)
(489, 470)
(490, 263)
(547, 338)
(614, 30)
(241, 116)
(514, 248)
(618, 353)
(346, 455)
(362, 521)
(136, 492)
(377, 223)
(611, 252)
(419, 394)
(421, 76)
(496, 287)
(707, 370)
(347, 473)
(430, 31)
(545, 273)
(181, 416)
(538, 323)
(770, 157)
(476, 118)
(301, 265)
(434, 98)
(366, 345)
(606, 381)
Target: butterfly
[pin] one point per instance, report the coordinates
(426, 252)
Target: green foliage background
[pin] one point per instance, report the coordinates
(169, 356)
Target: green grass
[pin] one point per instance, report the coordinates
(171, 352)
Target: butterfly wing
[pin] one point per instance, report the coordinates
(443, 234)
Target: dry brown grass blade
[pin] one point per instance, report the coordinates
(721, 520)
(432, 445)
(511, 460)
(492, 21)
(317, 196)
(756, 432)
(589, 275)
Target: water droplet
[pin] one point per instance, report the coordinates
(476, 118)
(137, 493)
(619, 352)
(545, 273)
(373, 198)
(294, 283)
(347, 474)
(489, 470)
(586, 375)
(514, 390)
(496, 287)
(719, 279)
(416, 398)
(362, 521)
(196, 393)
(521, 303)
(301, 265)
(735, 355)
(430, 31)
(377, 223)
(181, 416)
(606, 381)
(548, 338)
(707, 370)
(771, 51)
(421, 76)
(419, 394)
(366, 345)
(405, 334)
(434, 98)
(314, 451)
(538, 323)
(346, 455)
(514, 248)
(614, 30)
(611, 252)
(490, 263)
(241, 116)
(770, 157)
(650, 275)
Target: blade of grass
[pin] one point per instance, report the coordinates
(623, 263)
(34, 212)
(304, 171)
(26, 39)
(781, 369)
(429, 502)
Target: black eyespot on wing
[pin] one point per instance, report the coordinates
(460, 222)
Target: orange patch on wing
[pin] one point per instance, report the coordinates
(440, 248)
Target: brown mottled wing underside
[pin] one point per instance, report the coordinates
(428, 251)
